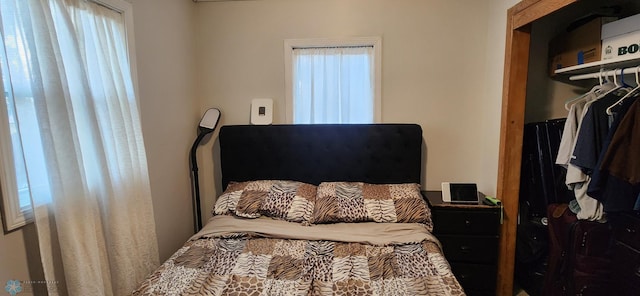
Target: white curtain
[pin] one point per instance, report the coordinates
(333, 85)
(71, 89)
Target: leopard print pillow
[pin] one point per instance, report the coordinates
(362, 202)
(287, 200)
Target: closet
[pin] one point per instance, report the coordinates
(529, 94)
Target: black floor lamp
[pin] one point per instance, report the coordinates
(207, 125)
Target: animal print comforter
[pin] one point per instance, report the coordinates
(234, 256)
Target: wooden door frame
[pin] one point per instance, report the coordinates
(514, 92)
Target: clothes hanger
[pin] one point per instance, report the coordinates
(624, 84)
(616, 87)
(600, 77)
(629, 94)
(594, 90)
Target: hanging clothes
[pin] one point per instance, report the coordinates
(614, 193)
(621, 162)
(622, 159)
(573, 121)
(593, 131)
(602, 153)
(577, 130)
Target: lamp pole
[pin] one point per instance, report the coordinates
(207, 125)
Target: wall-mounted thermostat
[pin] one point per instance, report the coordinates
(261, 111)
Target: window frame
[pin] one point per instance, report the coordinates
(14, 217)
(291, 44)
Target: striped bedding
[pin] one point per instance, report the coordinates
(264, 256)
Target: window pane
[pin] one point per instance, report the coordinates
(333, 85)
(19, 164)
(31, 176)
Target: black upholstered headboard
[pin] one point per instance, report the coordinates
(371, 153)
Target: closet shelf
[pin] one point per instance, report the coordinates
(565, 74)
(596, 66)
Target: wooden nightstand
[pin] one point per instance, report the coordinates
(469, 234)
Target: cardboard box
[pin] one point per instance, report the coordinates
(621, 39)
(579, 46)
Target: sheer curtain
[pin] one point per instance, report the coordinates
(71, 91)
(333, 85)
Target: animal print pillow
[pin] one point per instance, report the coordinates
(362, 202)
(287, 200)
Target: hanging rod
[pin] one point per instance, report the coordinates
(607, 73)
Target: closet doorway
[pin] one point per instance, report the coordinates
(529, 94)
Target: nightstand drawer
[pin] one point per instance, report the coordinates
(466, 222)
(475, 249)
(476, 279)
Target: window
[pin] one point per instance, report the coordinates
(19, 111)
(23, 170)
(333, 81)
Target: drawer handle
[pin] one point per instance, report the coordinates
(465, 249)
(467, 223)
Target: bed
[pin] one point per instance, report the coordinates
(314, 210)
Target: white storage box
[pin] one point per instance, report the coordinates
(621, 39)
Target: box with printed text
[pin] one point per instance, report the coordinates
(621, 39)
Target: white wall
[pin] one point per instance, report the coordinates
(13, 254)
(164, 32)
(19, 256)
(492, 93)
(434, 69)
